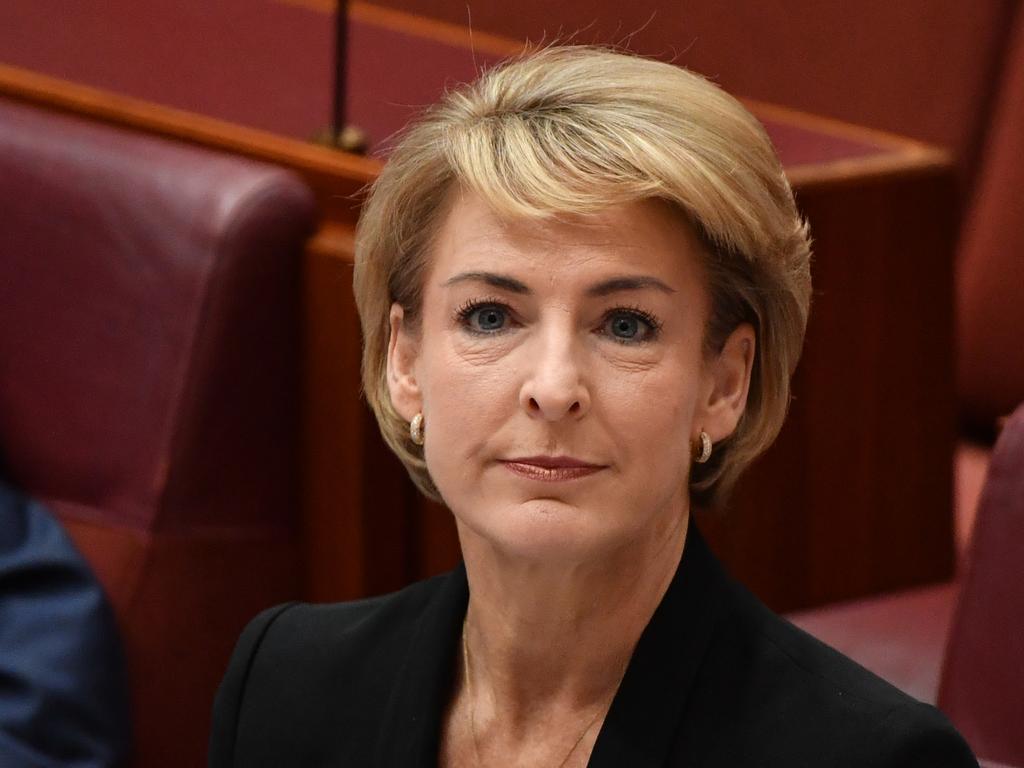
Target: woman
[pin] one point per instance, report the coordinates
(583, 285)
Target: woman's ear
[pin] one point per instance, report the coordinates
(724, 396)
(403, 352)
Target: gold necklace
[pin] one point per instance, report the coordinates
(472, 718)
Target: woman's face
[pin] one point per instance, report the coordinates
(560, 370)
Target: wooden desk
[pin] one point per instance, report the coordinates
(855, 496)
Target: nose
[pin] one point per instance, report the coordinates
(554, 386)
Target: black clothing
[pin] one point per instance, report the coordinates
(716, 680)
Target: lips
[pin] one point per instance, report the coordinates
(551, 468)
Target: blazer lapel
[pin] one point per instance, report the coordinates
(410, 731)
(647, 710)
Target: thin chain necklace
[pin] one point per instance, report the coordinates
(472, 718)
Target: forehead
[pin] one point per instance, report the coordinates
(643, 237)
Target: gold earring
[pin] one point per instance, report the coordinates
(705, 448)
(416, 429)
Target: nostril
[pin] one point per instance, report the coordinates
(554, 407)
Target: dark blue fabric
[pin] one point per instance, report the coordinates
(63, 695)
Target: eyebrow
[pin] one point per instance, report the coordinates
(628, 283)
(604, 288)
(490, 278)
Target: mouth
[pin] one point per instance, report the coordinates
(551, 468)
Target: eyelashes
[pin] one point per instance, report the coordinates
(465, 313)
(627, 324)
(652, 323)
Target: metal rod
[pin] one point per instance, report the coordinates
(340, 67)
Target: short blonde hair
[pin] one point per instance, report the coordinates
(577, 129)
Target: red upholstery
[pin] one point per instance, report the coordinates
(148, 388)
(983, 679)
(901, 637)
(969, 470)
(972, 633)
(990, 283)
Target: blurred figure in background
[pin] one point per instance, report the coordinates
(63, 693)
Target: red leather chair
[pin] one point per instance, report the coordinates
(982, 687)
(983, 681)
(990, 284)
(149, 355)
(979, 680)
(990, 270)
(961, 645)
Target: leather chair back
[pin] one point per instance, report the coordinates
(149, 392)
(982, 687)
(990, 279)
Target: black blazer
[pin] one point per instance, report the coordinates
(716, 680)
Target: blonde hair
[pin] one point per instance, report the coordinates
(579, 129)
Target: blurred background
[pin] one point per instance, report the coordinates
(179, 349)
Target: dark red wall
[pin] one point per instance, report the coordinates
(924, 68)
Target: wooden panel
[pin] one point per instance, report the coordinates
(855, 497)
(356, 528)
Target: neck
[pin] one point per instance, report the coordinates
(552, 640)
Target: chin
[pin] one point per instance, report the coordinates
(545, 530)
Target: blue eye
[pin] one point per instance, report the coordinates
(483, 318)
(625, 327)
(630, 326)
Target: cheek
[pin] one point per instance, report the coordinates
(463, 403)
(658, 395)
(653, 409)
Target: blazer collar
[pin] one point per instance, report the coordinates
(410, 731)
(645, 713)
(648, 708)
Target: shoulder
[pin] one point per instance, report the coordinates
(71, 675)
(804, 703)
(300, 669)
(303, 629)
